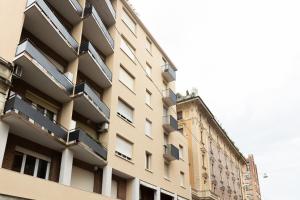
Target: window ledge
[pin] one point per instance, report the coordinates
(167, 179)
(149, 52)
(148, 136)
(127, 87)
(130, 161)
(126, 121)
(133, 61)
(149, 170)
(149, 106)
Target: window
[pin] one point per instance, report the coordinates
(31, 163)
(129, 21)
(125, 111)
(148, 70)
(114, 189)
(148, 45)
(148, 158)
(124, 148)
(148, 128)
(167, 170)
(182, 179)
(166, 140)
(179, 115)
(148, 98)
(128, 49)
(181, 152)
(126, 78)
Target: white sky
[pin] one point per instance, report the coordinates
(244, 58)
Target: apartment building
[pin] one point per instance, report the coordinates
(250, 180)
(215, 162)
(89, 111)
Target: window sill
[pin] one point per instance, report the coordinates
(149, 52)
(133, 61)
(134, 34)
(127, 87)
(131, 124)
(181, 159)
(167, 179)
(149, 77)
(149, 106)
(129, 161)
(148, 136)
(183, 187)
(148, 170)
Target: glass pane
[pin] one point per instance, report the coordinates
(50, 115)
(17, 163)
(29, 165)
(42, 169)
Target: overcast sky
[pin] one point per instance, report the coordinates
(244, 58)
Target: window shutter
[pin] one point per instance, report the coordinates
(126, 78)
(125, 110)
(124, 147)
(148, 128)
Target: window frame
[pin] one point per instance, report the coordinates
(123, 69)
(147, 121)
(122, 154)
(148, 161)
(128, 49)
(131, 121)
(148, 95)
(129, 21)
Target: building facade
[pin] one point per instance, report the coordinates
(88, 105)
(215, 162)
(250, 180)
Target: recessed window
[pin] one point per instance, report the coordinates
(125, 111)
(148, 98)
(124, 148)
(148, 128)
(129, 21)
(167, 170)
(31, 163)
(179, 115)
(181, 152)
(182, 179)
(126, 78)
(128, 49)
(148, 157)
(148, 45)
(148, 70)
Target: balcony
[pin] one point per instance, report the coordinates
(95, 31)
(29, 123)
(171, 152)
(205, 195)
(105, 10)
(88, 104)
(91, 65)
(42, 22)
(71, 10)
(170, 123)
(169, 97)
(86, 148)
(41, 73)
(168, 72)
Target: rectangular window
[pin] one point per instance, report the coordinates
(148, 98)
(180, 152)
(148, 128)
(148, 45)
(128, 49)
(179, 115)
(148, 157)
(129, 21)
(148, 70)
(167, 170)
(182, 179)
(126, 78)
(123, 148)
(125, 111)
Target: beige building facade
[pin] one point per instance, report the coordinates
(215, 162)
(88, 105)
(250, 180)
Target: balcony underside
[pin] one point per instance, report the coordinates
(89, 67)
(169, 128)
(39, 25)
(36, 76)
(169, 101)
(24, 128)
(84, 106)
(93, 32)
(105, 10)
(168, 76)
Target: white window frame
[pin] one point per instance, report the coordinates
(128, 49)
(148, 128)
(129, 117)
(148, 45)
(129, 22)
(148, 161)
(148, 98)
(126, 78)
(125, 155)
(181, 152)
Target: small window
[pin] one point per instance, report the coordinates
(181, 152)
(148, 98)
(148, 45)
(129, 21)
(126, 78)
(179, 115)
(125, 111)
(148, 128)
(148, 158)
(148, 70)
(124, 148)
(167, 170)
(182, 182)
(128, 49)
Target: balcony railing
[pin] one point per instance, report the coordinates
(169, 72)
(105, 10)
(170, 123)
(16, 103)
(86, 89)
(51, 16)
(87, 46)
(80, 136)
(169, 97)
(90, 10)
(171, 152)
(38, 56)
